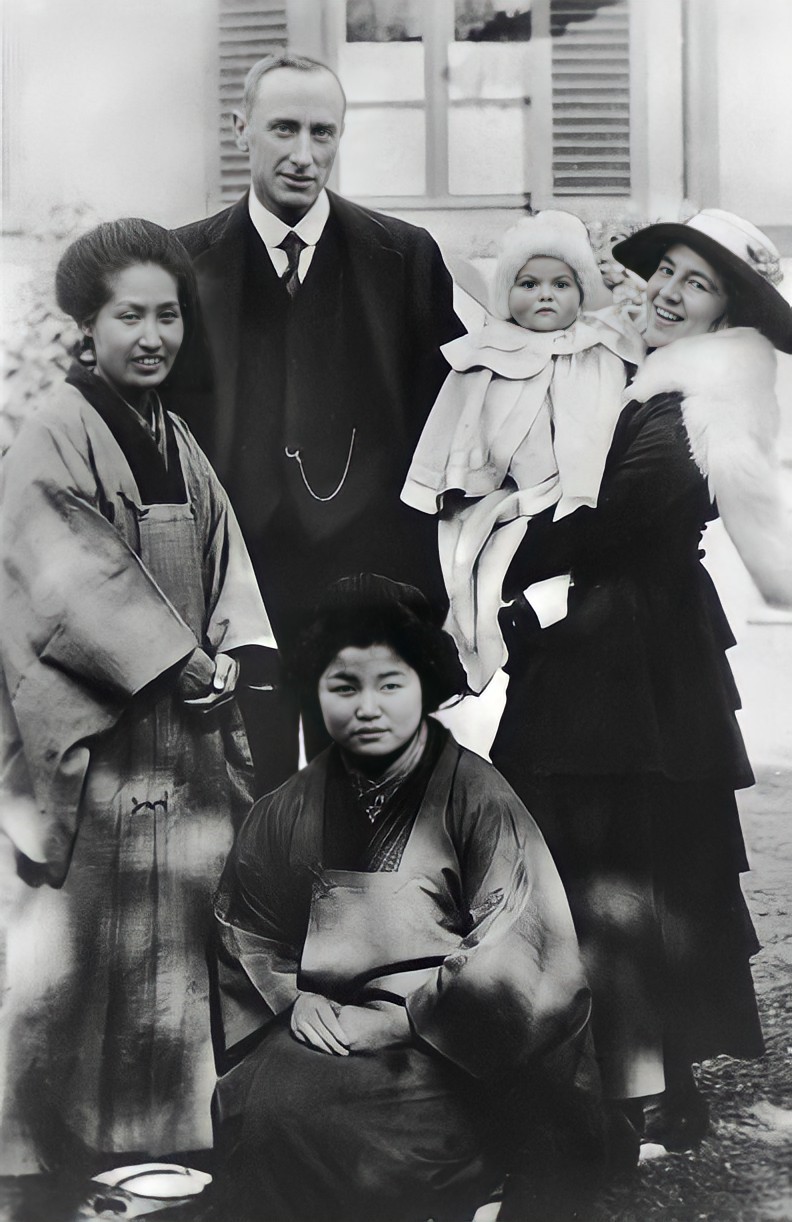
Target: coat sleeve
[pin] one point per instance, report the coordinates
(235, 612)
(451, 451)
(430, 300)
(650, 482)
(514, 990)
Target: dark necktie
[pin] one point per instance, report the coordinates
(293, 245)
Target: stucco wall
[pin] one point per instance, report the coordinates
(754, 52)
(108, 104)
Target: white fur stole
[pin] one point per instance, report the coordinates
(731, 414)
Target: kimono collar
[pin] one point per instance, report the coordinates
(155, 464)
(374, 792)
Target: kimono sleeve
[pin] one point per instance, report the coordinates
(74, 594)
(262, 914)
(514, 990)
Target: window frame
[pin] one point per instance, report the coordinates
(438, 33)
(656, 141)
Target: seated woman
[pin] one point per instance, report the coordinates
(400, 982)
(127, 602)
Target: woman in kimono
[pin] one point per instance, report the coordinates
(128, 606)
(619, 730)
(401, 991)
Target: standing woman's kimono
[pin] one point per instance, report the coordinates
(449, 904)
(120, 555)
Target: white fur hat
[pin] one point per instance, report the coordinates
(556, 235)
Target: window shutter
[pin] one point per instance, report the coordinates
(249, 29)
(591, 96)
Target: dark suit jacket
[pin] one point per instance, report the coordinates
(406, 300)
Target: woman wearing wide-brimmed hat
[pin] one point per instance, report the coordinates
(619, 731)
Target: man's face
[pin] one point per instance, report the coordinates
(292, 135)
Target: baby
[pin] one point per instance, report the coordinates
(523, 422)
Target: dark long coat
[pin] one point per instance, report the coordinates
(619, 734)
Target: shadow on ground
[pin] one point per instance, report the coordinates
(743, 1171)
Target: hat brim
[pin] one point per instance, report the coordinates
(761, 305)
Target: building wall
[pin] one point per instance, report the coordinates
(754, 55)
(110, 105)
(113, 105)
(738, 94)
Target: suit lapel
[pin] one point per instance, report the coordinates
(378, 269)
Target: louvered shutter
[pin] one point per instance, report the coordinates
(249, 29)
(591, 97)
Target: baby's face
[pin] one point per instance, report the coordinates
(545, 295)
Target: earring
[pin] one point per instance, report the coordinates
(242, 145)
(86, 353)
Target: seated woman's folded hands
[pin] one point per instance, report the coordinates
(379, 1024)
(329, 1027)
(314, 1021)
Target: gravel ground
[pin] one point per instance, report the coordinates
(743, 1171)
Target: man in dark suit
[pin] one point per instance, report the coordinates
(324, 322)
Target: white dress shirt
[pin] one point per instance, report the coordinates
(272, 230)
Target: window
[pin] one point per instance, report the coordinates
(438, 103)
(459, 103)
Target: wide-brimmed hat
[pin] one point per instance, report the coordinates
(736, 249)
(554, 235)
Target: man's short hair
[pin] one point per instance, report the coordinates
(269, 63)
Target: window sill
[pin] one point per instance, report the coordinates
(385, 203)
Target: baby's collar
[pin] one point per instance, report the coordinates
(508, 336)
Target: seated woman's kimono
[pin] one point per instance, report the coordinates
(119, 554)
(447, 903)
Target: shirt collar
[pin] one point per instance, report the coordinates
(272, 230)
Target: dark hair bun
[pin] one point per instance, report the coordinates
(368, 609)
(83, 280)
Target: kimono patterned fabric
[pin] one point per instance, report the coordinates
(105, 1037)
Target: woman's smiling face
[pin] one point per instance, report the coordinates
(138, 332)
(371, 700)
(686, 296)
